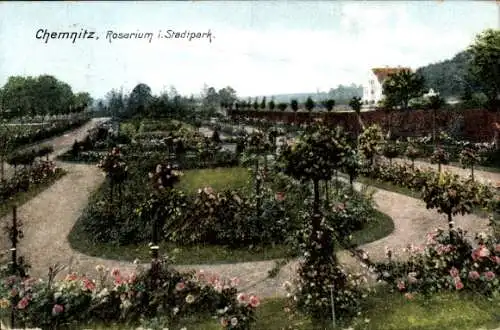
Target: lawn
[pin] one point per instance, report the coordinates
(217, 178)
(383, 311)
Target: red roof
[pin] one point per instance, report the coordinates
(383, 73)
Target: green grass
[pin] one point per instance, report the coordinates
(23, 197)
(217, 178)
(385, 311)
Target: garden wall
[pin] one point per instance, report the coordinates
(472, 124)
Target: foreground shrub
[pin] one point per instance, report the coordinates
(117, 297)
(446, 264)
(322, 279)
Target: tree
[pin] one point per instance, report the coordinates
(403, 86)
(140, 99)
(469, 157)
(271, 105)
(227, 95)
(263, 103)
(82, 100)
(282, 106)
(450, 195)
(309, 104)
(485, 65)
(355, 103)
(294, 105)
(255, 104)
(314, 158)
(329, 104)
(370, 142)
(435, 103)
(115, 102)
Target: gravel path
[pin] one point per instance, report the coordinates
(62, 143)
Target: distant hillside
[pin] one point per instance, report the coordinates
(449, 77)
(342, 94)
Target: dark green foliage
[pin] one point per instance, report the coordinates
(282, 106)
(309, 104)
(329, 104)
(449, 77)
(271, 105)
(403, 86)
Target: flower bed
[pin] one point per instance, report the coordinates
(28, 135)
(40, 172)
(163, 295)
(446, 263)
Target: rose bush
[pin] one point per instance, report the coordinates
(370, 142)
(440, 157)
(446, 264)
(126, 298)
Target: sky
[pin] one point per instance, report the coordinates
(258, 48)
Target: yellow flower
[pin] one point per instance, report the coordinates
(4, 303)
(441, 179)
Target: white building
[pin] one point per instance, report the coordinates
(373, 91)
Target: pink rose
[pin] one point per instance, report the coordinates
(88, 284)
(495, 259)
(254, 301)
(459, 285)
(497, 248)
(71, 277)
(57, 309)
(23, 303)
(118, 280)
(489, 275)
(453, 272)
(401, 286)
(484, 252)
(242, 298)
(473, 275)
(180, 286)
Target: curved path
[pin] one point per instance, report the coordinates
(61, 143)
(50, 216)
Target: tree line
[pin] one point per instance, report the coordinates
(40, 96)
